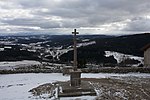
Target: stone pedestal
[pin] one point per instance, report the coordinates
(75, 78)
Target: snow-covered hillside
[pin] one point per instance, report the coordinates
(59, 51)
(120, 56)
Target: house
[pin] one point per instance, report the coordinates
(146, 50)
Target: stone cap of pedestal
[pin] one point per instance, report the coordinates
(77, 71)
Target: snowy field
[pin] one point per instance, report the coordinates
(120, 56)
(8, 65)
(16, 86)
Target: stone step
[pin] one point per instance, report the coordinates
(77, 90)
(74, 94)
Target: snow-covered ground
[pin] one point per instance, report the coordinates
(8, 65)
(16, 86)
(112, 75)
(59, 51)
(120, 56)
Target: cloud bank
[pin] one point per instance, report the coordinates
(61, 16)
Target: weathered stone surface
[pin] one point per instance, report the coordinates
(75, 78)
(68, 91)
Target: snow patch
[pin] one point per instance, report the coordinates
(57, 52)
(120, 56)
(30, 80)
(9, 65)
(85, 40)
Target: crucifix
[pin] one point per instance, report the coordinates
(75, 50)
(75, 73)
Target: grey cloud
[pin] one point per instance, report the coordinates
(82, 13)
(138, 24)
(32, 22)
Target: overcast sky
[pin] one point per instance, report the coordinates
(62, 16)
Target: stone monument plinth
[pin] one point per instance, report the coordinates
(75, 76)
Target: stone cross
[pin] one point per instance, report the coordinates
(75, 49)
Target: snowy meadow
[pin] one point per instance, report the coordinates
(16, 86)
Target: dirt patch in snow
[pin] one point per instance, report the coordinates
(47, 89)
(113, 88)
(125, 88)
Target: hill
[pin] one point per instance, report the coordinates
(58, 48)
(128, 44)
